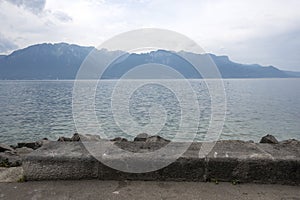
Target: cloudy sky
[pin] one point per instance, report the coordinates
(249, 31)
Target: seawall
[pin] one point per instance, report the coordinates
(231, 161)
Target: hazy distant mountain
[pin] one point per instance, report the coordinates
(292, 73)
(43, 61)
(230, 69)
(62, 61)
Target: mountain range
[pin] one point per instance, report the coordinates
(62, 61)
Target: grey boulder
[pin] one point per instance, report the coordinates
(270, 139)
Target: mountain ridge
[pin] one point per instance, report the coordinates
(62, 61)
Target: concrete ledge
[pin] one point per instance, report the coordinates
(236, 161)
(57, 160)
(11, 174)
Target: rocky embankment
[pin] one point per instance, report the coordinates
(11, 156)
(269, 161)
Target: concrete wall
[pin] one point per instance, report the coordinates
(233, 161)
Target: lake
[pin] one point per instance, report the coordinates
(32, 110)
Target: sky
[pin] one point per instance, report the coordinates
(265, 32)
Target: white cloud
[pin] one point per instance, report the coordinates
(251, 31)
(6, 45)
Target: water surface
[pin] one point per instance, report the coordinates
(31, 110)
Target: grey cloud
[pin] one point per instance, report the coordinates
(280, 50)
(35, 6)
(6, 45)
(62, 16)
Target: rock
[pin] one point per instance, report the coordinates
(13, 158)
(269, 139)
(32, 145)
(64, 139)
(76, 137)
(119, 139)
(4, 147)
(14, 146)
(141, 137)
(43, 141)
(144, 137)
(10, 159)
(23, 150)
(291, 142)
(156, 138)
(89, 137)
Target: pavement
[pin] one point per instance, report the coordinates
(125, 190)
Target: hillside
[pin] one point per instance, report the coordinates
(62, 61)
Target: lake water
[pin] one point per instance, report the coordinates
(31, 110)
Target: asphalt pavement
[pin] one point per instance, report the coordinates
(128, 190)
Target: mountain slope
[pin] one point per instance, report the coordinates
(230, 69)
(43, 61)
(62, 61)
(292, 73)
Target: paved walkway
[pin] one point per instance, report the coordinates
(94, 189)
